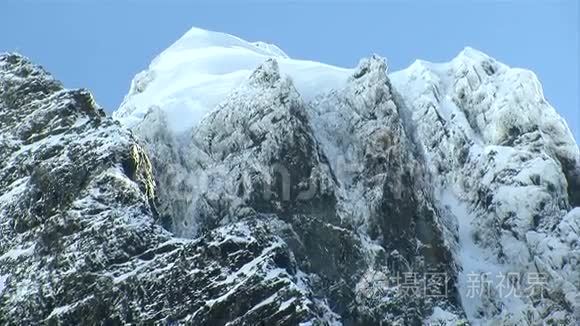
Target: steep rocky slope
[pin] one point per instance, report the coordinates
(257, 153)
(79, 242)
(507, 166)
(459, 169)
(250, 188)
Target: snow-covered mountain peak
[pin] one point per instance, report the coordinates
(197, 72)
(375, 64)
(267, 73)
(469, 53)
(256, 189)
(465, 156)
(197, 38)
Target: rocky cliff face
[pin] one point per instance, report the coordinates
(507, 167)
(80, 242)
(443, 194)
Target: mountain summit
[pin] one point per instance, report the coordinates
(238, 186)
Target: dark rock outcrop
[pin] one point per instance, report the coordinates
(79, 243)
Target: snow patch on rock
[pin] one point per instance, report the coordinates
(3, 279)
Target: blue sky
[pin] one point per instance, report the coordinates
(102, 45)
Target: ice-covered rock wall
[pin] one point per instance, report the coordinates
(239, 186)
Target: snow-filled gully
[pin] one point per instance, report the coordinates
(478, 266)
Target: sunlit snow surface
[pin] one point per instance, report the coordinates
(3, 279)
(199, 70)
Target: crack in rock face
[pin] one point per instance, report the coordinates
(293, 193)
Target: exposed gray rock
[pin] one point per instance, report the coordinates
(79, 243)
